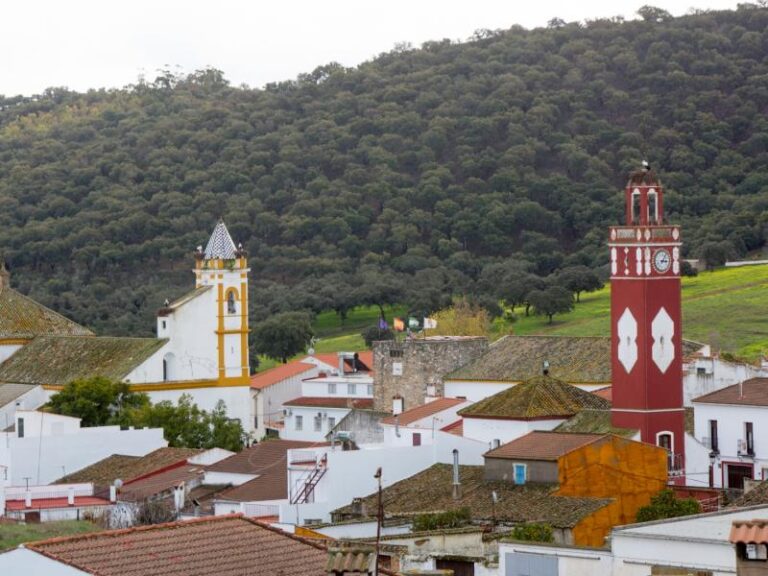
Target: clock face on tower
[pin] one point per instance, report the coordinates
(661, 260)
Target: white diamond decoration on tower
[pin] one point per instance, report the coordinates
(663, 331)
(627, 334)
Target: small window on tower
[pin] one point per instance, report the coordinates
(636, 207)
(231, 306)
(653, 208)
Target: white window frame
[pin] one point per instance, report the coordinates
(351, 389)
(331, 422)
(298, 422)
(318, 423)
(331, 388)
(671, 440)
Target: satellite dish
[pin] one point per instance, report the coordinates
(118, 483)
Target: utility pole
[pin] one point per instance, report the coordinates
(379, 521)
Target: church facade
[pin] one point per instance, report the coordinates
(201, 347)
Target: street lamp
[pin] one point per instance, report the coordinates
(712, 460)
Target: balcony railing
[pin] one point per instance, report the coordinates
(675, 464)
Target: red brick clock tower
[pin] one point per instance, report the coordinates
(646, 320)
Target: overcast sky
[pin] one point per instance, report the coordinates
(84, 44)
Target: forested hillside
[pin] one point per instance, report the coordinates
(424, 172)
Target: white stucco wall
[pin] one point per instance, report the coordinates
(46, 458)
(474, 391)
(268, 402)
(29, 563)
(7, 350)
(193, 343)
(490, 429)
(571, 561)
(708, 374)
(730, 429)
(38, 423)
(354, 471)
(320, 386)
(237, 399)
(308, 413)
(31, 400)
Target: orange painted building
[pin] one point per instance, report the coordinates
(601, 466)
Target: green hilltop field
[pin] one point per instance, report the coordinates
(727, 308)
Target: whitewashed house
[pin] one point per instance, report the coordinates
(688, 545)
(327, 398)
(43, 447)
(705, 372)
(540, 403)
(271, 388)
(419, 425)
(732, 426)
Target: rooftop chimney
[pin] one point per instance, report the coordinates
(456, 483)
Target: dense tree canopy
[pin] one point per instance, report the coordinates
(405, 179)
(99, 401)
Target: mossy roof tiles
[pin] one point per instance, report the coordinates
(536, 398)
(575, 359)
(126, 468)
(58, 360)
(593, 422)
(430, 491)
(23, 318)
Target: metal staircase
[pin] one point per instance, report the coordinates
(308, 487)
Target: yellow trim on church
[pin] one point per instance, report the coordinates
(220, 332)
(14, 341)
(244, 328)
(180, 385)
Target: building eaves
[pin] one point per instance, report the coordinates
(543, 445)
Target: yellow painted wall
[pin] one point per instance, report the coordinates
(629, 472)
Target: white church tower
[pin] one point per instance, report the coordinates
(224, 267)
(208, 328)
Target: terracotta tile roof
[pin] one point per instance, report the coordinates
(539, 445)
(165, 481)
(267, 459)
(59, 360)
(574, 359)
(430, 491)
(49, 503)
(539, 397)
(749, 532)
(21, 317)
(757, 496)
(593, 422)
(270, 377)
(220, 545)
(456, 428)
(127, 468)
(753, 392)
(604, 393)
(424, 411)
(328, 402)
